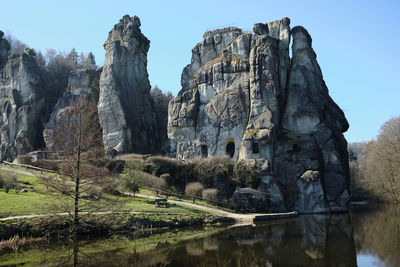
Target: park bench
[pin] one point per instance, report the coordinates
(161, 202)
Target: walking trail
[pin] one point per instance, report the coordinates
(239, 218)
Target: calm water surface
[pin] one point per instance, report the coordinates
(368, 236)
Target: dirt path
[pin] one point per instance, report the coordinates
(239, 218)
(18, 171)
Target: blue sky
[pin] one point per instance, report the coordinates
(355, 41)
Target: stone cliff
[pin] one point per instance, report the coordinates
(83, 82)
(243, 96)
(22, 102)
(126, 111)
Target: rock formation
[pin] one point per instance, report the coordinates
(22, 102)
(126, 110)
(243, 96)
(83, 82)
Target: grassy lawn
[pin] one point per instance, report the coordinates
(40, 201)
(200, 202)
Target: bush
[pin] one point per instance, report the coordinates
(110, 187)
(48, 164)
(245, 175)
(194, 189)
(210, 194)
(215, 173)
(158, 165)
(212, 170)
(131, 177)
(9, 182)
(178, 171)
(24, 159)
(153, 182)
(93, 192)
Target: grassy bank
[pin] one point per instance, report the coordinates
(141, 213)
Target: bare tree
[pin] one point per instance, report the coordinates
(381, 166)
(77, 139)
(17, 47)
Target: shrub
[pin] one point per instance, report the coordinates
(158, 165)
(48, 164)
(110, 187)
(216, 173)
(245, 175)
(212, 170)
(178, 171)
(210, 194)
(93, 192)
(9, 182)
(131, 177)
(194, 189)
(24, 159)
(153, 182)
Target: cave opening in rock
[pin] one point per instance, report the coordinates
(256, 149)
(204, 151)
(230, 149)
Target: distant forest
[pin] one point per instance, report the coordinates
(375, 165)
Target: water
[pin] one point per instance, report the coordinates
(367, 236)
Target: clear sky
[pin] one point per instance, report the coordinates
(356, 41)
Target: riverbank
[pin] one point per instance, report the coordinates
(55, 227)
(27, 212)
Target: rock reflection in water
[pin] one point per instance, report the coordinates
(308, 240)
(311, 240)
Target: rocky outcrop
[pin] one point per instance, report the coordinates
(242, 95)
(249, 199)
(126, 110)
(83, 82)
(22, 103)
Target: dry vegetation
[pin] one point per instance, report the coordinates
(375, 166)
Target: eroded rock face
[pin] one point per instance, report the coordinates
(22, 103)
(126, 111)
(243, 96)
(83, 82)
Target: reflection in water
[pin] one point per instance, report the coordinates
(377, 233)
(308, 240)
(311, 240)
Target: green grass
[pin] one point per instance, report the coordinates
(199, 202)
(39, 201)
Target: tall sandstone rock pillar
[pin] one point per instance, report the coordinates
(126, 110)
(243, 96)
(22, 102)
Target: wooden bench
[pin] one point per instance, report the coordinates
(161, 202)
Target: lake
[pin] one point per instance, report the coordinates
(367, 236)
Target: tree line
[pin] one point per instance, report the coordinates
(375, 165)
